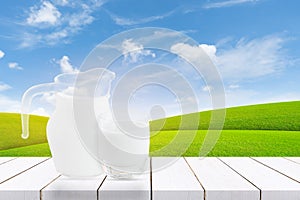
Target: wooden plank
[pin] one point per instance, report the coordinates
(17, 166)
(27, 185)
(6, 159)
(70, 188)
(294, 159)
(175, 182)
(138, 188)
(128, 189)
(273, 185)
(221, 182)
(282, 165)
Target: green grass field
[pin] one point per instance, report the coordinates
(11, 129)
(258, 130)
(230, 143)
(273, 116)
(31, 150)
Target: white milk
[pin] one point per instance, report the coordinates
(121, 154)
(69, 155)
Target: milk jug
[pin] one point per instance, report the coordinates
(72, 152)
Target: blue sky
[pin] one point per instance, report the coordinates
(254, 43)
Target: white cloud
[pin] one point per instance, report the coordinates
(233, 86)
(62, 2)
(1, 54)
(246, 59)
(239, 97)
(40, 111)
(49, 98)
(128, 22)
(53, 38)
(227, 3)
(4, 86)
(134, 51)
(72, 24)
(65, 65)
(9, 105)
(196, 54)
(210, 50)
(55, 26)
(81, 18)
(255, 58)
(289, 96)
(14, 65)
(29, 40)
(46, 14)
(207, 88)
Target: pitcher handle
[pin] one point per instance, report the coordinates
(26, 103)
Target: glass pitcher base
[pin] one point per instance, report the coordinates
(118, 174)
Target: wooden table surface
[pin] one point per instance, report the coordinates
(222, 178)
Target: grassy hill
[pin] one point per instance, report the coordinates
(11, 129)
(273, 116)
(257, 130)
(31, 150)
(231, 143)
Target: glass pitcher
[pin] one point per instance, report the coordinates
(123, 154)
(70, 156)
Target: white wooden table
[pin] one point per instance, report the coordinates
(187, 179)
